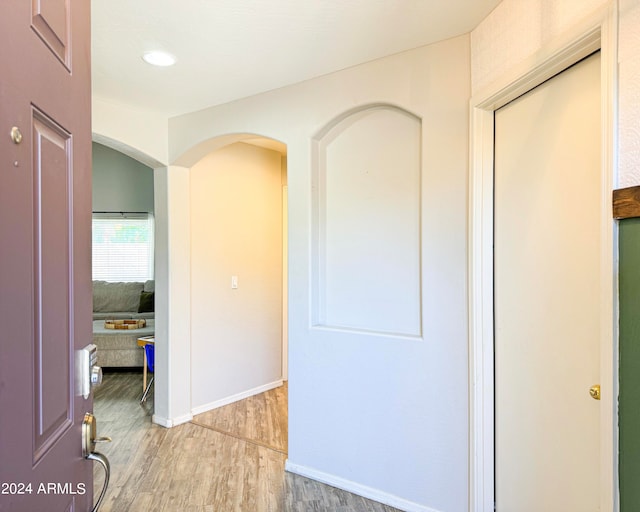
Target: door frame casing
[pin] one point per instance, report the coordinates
(598, 32)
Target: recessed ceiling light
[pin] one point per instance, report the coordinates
(158, 58)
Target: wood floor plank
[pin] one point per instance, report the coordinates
(227, 460)
(261, 418)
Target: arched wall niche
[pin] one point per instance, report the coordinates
(366, 222)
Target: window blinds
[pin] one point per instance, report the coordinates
(122, 246)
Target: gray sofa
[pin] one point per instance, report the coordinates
(118, 348)
(121, 300)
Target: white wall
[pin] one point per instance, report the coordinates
(120, 183)
(140, 134)
(381, 414)
(236, 230)
(629, 93)
(172, 404)
(515, 30)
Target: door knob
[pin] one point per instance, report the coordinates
(594, 391)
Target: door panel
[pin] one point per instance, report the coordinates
(49, 20)
(53, 388)
(547, 300)
(45, 252)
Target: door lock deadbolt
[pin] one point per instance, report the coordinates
(88, 373)
(16, 135)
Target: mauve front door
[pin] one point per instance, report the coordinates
(45, 252)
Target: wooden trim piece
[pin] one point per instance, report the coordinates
(626, 203)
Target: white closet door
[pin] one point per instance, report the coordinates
(547, 301)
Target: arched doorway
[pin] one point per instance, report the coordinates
(237, 271)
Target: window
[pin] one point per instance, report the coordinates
(122, 246)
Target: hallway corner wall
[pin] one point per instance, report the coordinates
(382, 413)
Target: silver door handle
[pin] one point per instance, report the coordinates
(98, 457)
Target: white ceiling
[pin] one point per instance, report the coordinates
(229, 49)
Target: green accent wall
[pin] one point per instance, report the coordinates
(629, 244)
(120, 183)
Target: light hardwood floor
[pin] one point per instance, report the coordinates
(227, 460)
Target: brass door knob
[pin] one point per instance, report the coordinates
(594, 391)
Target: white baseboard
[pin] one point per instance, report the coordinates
(355, 488)
(168, 423)
(234, 398)
(163, 422)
